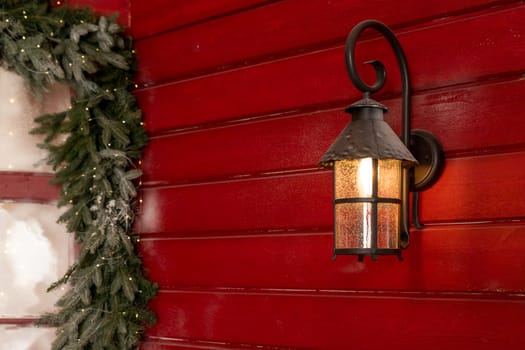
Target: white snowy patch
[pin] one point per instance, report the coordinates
(18, 108)
(24, 338)
(34, 252)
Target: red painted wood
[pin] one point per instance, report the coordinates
(27, 187)
(22, 321)
(237, 220)
(470, 189)
(465, 119)
(277, 29)
(466, 258)
(155, 16)
(339, 321)
(486, 47)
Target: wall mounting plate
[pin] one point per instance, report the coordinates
(427, 149)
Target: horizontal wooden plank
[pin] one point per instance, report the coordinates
(466, 258)
(470, 189)
(487, 47)
(465, 119)
(21, 321)
(279, 29)
(155, 16)
(341, 321)
(27, 187)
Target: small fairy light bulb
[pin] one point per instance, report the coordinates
(9, 166)
(58, 3)
(10, 133)
(12, 100)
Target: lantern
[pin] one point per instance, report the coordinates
(371, 166)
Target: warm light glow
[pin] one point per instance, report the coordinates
(365, 177)
(354, 222)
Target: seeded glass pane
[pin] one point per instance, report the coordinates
(353, 225)
(353, 178)
(389, 178)
(387, 226)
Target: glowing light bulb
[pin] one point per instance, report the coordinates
(365, 177)
(11, 100)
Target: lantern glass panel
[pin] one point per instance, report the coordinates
(389, 178)
(388, 226)
(353, 225)
(353, 178)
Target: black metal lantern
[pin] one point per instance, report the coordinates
(373, 166)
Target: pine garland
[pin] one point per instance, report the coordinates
(105, 306)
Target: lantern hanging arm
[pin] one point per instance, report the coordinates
(380, 69)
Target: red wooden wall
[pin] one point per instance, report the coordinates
(241, 99)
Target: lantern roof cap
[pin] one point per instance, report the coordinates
(367, 136)
(366, 101)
